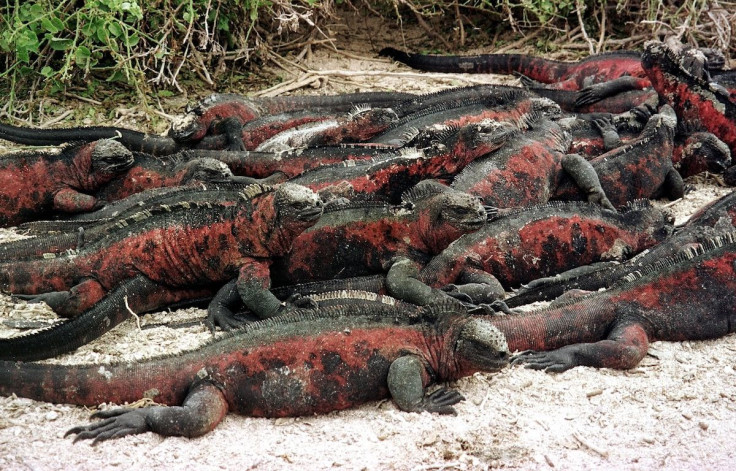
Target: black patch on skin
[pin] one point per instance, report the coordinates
(272, 363)
(579, 241)
(330, 362)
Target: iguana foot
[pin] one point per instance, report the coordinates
(56, 300)
(495, 308)
(591, 94)
(441, 401)
(227, 320)
(555, 361)
(118, 423)
(302, 302)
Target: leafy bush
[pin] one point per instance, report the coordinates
(50, 44)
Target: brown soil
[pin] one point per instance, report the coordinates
(676, 410)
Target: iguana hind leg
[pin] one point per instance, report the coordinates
(69, 303)
(204, 408)
(137, 295)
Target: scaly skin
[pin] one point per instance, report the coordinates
(559, 75)
(570, 100)
(388, 178)
(359, 125)
(54, 237)
(700, 105)
(639, 169)
(466, 106)
(168, 252)
(360, 239)
(700, 152)
(294, 162)
(688, 297)
(527, 170)
(363, 239)
(167, 171)
(206, 117)
(35, 184)
(716, 217)
(290, 366)
(544, 240)
(132, 140)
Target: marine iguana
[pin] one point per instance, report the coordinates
(557, 74)
(159, 256)
(54, 237)
(365, 238)
(700, 105)
(690, 296)
(542, 240)
(597, 76)
(711, 219)
(267, 114)
(642, 168)
(464, 106)
(526, 170)
(298, 364)
(34, 184)
(221, 114)
(360, 124)
(700, 152)
(388, 178)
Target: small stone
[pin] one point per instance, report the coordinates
(594, 392)
(51, 415)
(703, 425)
(687, 415)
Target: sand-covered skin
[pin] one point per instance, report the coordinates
(675, 410)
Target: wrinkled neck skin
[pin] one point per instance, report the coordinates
(275, 230)
(79, 174)
(434, 231)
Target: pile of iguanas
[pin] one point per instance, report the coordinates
(362, 246)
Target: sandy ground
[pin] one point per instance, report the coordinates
(676, 410)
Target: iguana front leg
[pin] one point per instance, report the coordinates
(478, 285)
(624, 348)
(609, 133)
(72, 201)
(204, 408)
(253, 285)
(402, 282)
(586, 178)
(599, 91)
(406, 379)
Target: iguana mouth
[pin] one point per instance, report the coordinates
(475, 223)
(311, 214)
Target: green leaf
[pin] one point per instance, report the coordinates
(116, 76)
(132, 40)
(60, 44)
(49, 26)
(47, 71)
(115, 30)
(82, 55)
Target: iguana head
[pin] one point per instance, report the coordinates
(480, 347)
(108, 158)
(702, 152)
(290, 211)
(204, 170)
(297, 203)
(444, 214)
